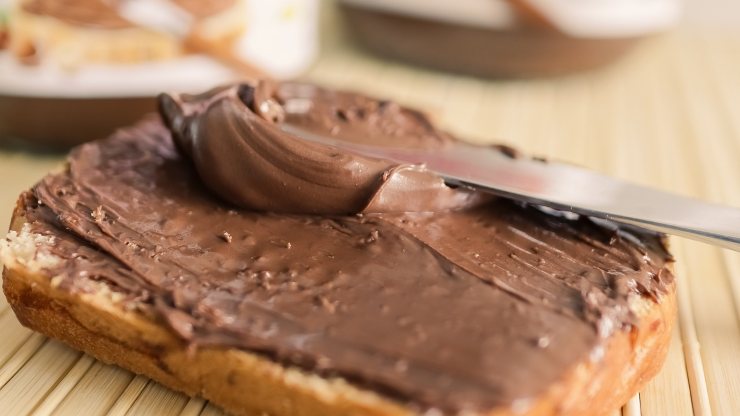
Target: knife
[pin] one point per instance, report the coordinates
(561, 186)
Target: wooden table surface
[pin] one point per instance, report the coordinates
(667, 116)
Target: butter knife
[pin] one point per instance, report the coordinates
(563, 187)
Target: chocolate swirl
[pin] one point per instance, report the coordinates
(233, 136)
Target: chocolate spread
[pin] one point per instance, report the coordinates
(243, 155)
(462, 306)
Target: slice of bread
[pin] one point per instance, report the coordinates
(36, 37)
(245, 383)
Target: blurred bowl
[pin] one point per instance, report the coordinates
(506, 37)
(59, 123)
(53, 105)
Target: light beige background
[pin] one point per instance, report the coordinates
(713, 14)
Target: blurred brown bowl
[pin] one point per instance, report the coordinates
(518, 52)
(59, 123)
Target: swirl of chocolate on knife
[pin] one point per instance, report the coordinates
(470, 308)
(232, 136)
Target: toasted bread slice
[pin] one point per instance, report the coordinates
(245, 383)
(78, 39)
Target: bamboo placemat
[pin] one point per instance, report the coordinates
(667, 116)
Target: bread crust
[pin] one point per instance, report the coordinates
(245, 383)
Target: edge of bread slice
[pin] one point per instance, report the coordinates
(245, 383)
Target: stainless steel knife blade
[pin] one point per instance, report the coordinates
(562, 186)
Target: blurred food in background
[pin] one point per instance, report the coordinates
(506, 37)
(74, 70)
